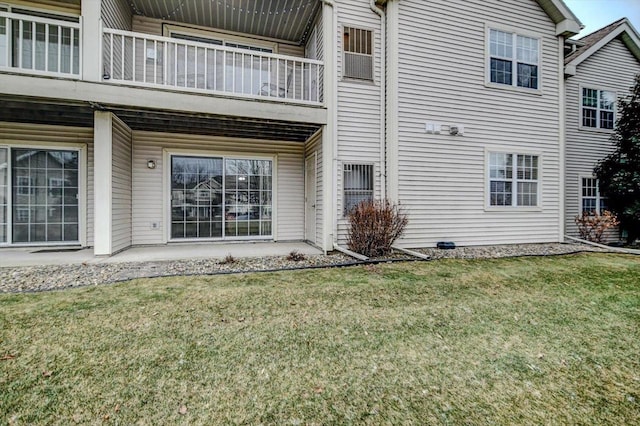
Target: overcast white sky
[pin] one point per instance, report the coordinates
(595, 14)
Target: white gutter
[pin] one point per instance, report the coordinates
(562, 138)
(591, 243)
(383, 101)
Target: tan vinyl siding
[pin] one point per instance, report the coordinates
(291, 50)
(41, 135)
(613, 67)
(314, 145)
(116, 14)
(442, 179)
(148, 191)
(121, 186)
(154, 26)
(142, 24)
(54, 6)
(359, 126)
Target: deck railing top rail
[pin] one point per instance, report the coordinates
(37, 45)
(157, 61)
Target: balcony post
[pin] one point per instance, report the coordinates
(102, 181)
(91, 45)
(330, 130)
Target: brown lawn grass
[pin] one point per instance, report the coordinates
(526, 341)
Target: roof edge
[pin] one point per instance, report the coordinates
(567, 23)
(629, 35)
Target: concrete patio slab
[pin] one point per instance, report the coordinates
(209, 251)
(34, 256)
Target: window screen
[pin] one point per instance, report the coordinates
(358, 185)
(358, 53)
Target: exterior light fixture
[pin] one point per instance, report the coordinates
(151, 164)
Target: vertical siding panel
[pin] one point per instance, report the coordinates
(612, 67)
(442, 79)
(148, 191)
(121, 186)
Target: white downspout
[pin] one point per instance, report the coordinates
(383, 100)
(332, 106)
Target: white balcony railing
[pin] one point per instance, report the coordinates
(147, 60)
(35, 45)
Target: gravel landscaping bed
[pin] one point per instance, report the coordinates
(509, 250)
(42, 278)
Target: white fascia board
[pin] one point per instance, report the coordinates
(165, 100)
(632, 42)
(568, 28)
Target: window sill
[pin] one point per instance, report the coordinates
(358, 81)
(512, 209)
(536, 92)
(596, 130)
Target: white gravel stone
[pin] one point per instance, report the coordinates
(43, 278)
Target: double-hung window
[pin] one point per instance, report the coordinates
(513, 179)
(598, 108)
(514, 59)
(591, 199)
(358, 53)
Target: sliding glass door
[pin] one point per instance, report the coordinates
(196, 197)
(44, 195)
(216, 197)
(38, 196)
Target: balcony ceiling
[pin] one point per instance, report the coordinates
(28, 110)
(289, 20)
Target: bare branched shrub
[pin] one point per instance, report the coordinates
(375, 225)
(228, 260)
(592, 225)
(296, 256)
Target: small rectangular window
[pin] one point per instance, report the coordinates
(591, 200)
(357, 184)
(358, 53)
(510, 54)
(513, 179)
(598, 108)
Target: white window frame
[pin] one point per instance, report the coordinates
(598, 197)
(598, 128)
(344, 191)
(223, 37)
(166, 190)
(343, 77)
(514, 181)
(515, 32)
(82, 193)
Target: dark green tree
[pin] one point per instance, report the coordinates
(619, 172)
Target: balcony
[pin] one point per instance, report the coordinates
(154, 61)
(40, 46)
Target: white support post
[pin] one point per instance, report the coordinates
(330, 130)
(91, 41)
(102, 181)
